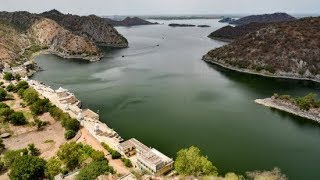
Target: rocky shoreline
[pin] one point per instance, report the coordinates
(262, 73)
(289, 108)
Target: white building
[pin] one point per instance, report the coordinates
(147, 159)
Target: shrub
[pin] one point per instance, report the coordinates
(27, 167)
(10, 88)
(3, 105)
(10, 156)
(93, 170)
(127, 162)
(6, 113)
(3, 94)
(72, 124)
(30, 96)
(8, 76)
(21, 85)
(40, 123)
(17, 77)
(40, 106)
(17, 118)
(33, 151)
(114, 154)
(53, 167)
(71, 155)
(69, 134)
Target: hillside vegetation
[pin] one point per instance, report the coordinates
(286, 49)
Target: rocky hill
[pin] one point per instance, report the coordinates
(264, 18)
(286, 49)
(229, 33)
(93, 27)
(129, 21)
(69, 36)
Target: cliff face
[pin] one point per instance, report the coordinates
(58, 40)
(286, 49)
(264, 18)
(69, 36)
(93, 27)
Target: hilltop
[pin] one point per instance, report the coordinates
(129, 21)
(286, 49)
(248, 24)
(68, 36)
(264, 18)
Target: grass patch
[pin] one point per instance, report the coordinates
(49, 141)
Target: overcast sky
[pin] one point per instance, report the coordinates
(156, 7)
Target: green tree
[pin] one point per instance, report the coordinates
(93, 170)
(127, 162)
(10, 156)
(30, 96)
(17, 77)
(191, 162)
(97, 155)
(115, 154)
(3, 94)
(17, 118)
(8, 76)
(72, 124)
(3, 105)
(69, 134)
(71, 155)
(40, 106)
(2, 146)
(10, 88)
(21, 85)
(33, 151)
(53, 167)
(6, 113)
(27, 167)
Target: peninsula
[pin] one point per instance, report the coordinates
(283, 50)
(129, 21)
(306, 107)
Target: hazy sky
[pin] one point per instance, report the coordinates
(149, 7)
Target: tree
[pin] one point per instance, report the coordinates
(8, 76)
(40, 106)
(10, 156)
(30, 96)
(53, 167)
(3, 94)
(17, 77)
(40, 123)
(191, 162)
(115, 154)
(6, 113)
(33, 151)
(69, 134)
(21, 85)
(127, 162)
(97, 155)
(2, 146)
(93, 170)
(27, 167)
(70, 154)
(3, 105)
(72, 124)
(10, 88)
(17, 118)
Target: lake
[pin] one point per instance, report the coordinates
(168, 98)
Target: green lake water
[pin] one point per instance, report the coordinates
(168, 98)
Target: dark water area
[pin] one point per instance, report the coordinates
(168, 98)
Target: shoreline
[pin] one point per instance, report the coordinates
(247, 71)
(269, 102)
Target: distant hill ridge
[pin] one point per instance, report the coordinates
(129, 21)
(284, 49)
(249, 24)
(264, 18)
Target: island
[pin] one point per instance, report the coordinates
(307, 106)
(226, 20)
(283, 50)
(129, 21)
(203, 26)
(181, 25)
(264, 18)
